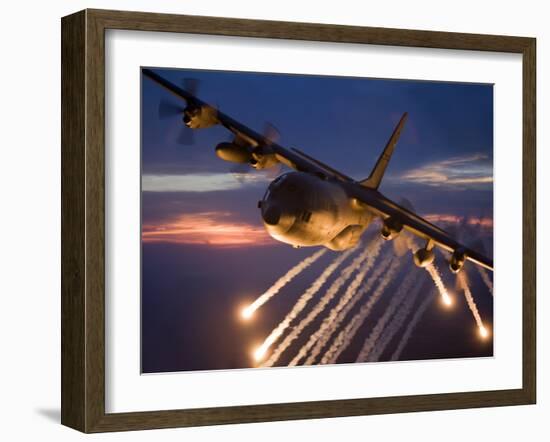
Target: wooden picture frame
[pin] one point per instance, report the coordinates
(83, 219)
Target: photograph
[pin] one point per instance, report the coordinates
(295, 220)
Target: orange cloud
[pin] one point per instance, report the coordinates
(209, 228)
(454, 219)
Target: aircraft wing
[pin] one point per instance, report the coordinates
(384, 208)
(293, 158)
(365, 191)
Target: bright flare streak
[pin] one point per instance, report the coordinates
(300, 305)
(392, 319)
(471, 303)
(260, 353)
(345, 336)
(247, 312)
(330, 324)
(412, 325)
(434, 273)
(485, 277)
(331, 292)
(483, 332)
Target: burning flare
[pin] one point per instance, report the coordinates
(463, 283)
(436, 276)
(332, 291)
(330, 324)
(344, 338)
(248, 311)
(393, 318)
(486, 279)
(300, 305)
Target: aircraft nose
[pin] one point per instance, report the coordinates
(271, 214)
(277, 220)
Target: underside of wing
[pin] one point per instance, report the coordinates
(396, 218)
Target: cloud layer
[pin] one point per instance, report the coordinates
(200, 182)
(206, 228)
(485, 222)
(470, 171)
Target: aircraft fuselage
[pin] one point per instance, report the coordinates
(303, 209)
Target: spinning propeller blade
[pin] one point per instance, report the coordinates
(168, 109)
(191, 85)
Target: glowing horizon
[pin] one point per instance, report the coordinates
(206, 228)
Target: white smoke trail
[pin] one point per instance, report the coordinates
(281, 282)
(345, 336)
(485, 277)
(300, 304)
(403, 309)
(403, 243)
(436, 276)
(331, 292)
(398, 296)
(412, 325)
(463, 283)
(337, 315)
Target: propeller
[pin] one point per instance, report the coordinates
(463, 231)
(191, 85)
(168, 109)
(271, 133)
(476, 238)
(274, 171)
(404, 202)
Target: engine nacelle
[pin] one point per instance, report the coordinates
(200, 117)
(233, 153)
(265, 160)
(458, 258)
(423, 257)
(391, 228)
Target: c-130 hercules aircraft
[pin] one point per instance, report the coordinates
(316, 205)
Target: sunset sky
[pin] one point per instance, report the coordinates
(204, 247)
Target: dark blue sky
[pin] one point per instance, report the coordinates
(199, 214)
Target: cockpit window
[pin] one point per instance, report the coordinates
(274, 184)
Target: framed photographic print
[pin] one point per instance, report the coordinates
(269, 220)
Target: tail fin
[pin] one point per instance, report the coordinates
(375, 177)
